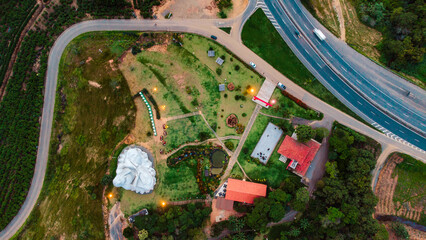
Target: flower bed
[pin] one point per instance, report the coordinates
(231, 87)
(206, 184)
(232, 121)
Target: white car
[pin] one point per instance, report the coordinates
(252, 64)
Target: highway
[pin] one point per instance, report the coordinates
(374, 104)
(201, 27)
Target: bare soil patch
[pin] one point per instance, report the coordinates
(385, 189)
(187, 9)
(94, 84)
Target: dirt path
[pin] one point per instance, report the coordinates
(230, 153)
(272, 116)
(205, 201)
(12, 61)
(338, 9)
(181, 116)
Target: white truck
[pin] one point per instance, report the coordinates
(319, 34)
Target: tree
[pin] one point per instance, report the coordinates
(229, 145)
(258, 218)
(400, 230)
(280, 196)
(301, 199)
(277, 212)
(128, 232)
(304, 133)
(143, 234)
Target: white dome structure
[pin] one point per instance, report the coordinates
(135, 171)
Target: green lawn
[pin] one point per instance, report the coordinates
(285, 107)
(274, 172)
(411, 186)
(226, 29)
(261, 37)
(185, 130)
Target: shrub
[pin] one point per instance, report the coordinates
(229, 145)
(400, 230)
(219, 71)
(304, 133)
(244, 114)
(106, 180)
(194, 102)
(222, 14)
(225, 95)
(237, 97)
(245, 150)
(136, 50)
(237, 67)
(202, 136)
(223, 57)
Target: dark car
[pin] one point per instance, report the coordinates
(213, 37)
(297, 33)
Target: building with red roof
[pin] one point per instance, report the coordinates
(245, 192)
(300, 154)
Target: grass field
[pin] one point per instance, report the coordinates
(89, 122)
(285, 107)
(192, 126)
(411, 186)
(261, 37)
(274, 172)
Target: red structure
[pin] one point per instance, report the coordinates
(245, 192)
(301, 155)
(267, 104)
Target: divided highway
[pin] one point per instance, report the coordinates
(373, 104)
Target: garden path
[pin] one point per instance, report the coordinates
(288, 217)
(217, 137)
(272, 116)
(200, 143)
(234, 157)
(208, 200)
(181, 116)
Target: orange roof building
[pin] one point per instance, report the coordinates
(245, 192)
(301, 154)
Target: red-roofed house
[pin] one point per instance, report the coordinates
(245, 192)
(300, 154)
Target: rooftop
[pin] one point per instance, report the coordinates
(245, 192)
(267, 143)
(300, 154)
(221, 87)
(210, 53)
(219, 61)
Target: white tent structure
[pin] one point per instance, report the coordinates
(135, 171)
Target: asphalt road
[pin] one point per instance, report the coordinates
(375, 105)
(201, 27)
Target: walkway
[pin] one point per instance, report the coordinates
(287, 218)
(272, 116)
(181, 116)
(234, 157)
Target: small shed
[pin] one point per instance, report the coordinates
(211, 53)
(221, 87)
(219, 61)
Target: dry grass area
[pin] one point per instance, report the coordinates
(385, 191)
(359, 36)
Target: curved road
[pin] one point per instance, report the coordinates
(201, 27)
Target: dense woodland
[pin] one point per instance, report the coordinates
(145, 6)
(403, 24)
(20, 109)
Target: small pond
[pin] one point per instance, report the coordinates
(218, 158)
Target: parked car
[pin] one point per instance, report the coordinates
(252, 65)
(281, 86)
(213, 37)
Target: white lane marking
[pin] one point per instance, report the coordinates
(318, 65)
(344, 69)
(357, 81)
(373, 93)
(401, 131)
(406, 115)
(359, 103)
(386, 122)
(416, 140)
(305, 50)
(346, 92)
(329, 54)
(305, 26)
(373, 113)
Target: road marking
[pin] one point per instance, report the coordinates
(388, 104)
(344, 69)
(423, 124)
(373, 93)
(416, 140)
(332, 79)
(305, 50)
(359, 103)
(305, 26)
(373, 113)
(346, 92)
(387, 123)
(318, 65)
(401, 131)
(357, 81)
(329, 54)
(406, 115)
